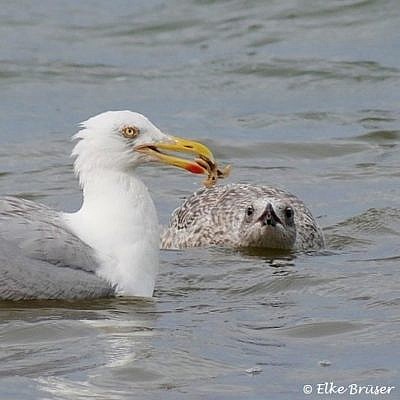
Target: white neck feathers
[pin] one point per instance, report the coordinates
(117, 219)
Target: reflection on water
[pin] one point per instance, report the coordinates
(303, 96)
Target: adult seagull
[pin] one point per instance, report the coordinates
(111, 245)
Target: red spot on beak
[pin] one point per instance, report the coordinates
(195, 168)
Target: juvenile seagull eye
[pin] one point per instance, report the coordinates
(130, 132)
(249, 211)
(289, 212)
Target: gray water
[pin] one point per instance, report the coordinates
(300, 94)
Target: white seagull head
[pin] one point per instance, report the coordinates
(121, 140)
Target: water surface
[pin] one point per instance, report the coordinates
(304, 95)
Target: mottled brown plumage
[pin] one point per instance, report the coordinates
(242, 215)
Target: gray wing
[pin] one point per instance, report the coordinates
(41, 258)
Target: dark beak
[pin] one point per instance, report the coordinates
(269, 217)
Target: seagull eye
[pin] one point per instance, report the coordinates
(289, 212)
(130, 132)
(249, 211)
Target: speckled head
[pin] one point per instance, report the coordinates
(268, 222)
(243, 215)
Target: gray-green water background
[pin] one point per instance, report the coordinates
(301, 94)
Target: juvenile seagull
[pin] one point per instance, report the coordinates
(109, 246)
(240, 215)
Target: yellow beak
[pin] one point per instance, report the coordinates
(180, 145)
